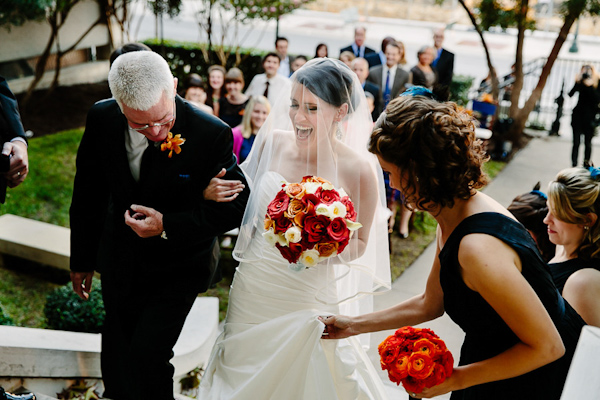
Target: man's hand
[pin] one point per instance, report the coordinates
(221, 190)
(19, 162)
(145, 221)
(82, 283)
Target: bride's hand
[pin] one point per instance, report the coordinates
(221, 190)
(337, 327)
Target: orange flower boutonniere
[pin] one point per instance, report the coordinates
(172, 143)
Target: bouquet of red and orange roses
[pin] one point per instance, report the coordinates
(310, 221)
(417, 358)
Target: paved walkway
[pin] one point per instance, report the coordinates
(540, 160)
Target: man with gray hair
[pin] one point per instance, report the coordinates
(143, 217)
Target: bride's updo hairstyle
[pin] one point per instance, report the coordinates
(434, 146)
(572, 195)
(329, 81)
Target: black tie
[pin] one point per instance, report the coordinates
(266, 93)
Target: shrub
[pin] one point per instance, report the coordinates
(459, 89)
(5, 319)
(65, 311)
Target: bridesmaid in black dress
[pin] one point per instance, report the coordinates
(488, 274)
(573, 208)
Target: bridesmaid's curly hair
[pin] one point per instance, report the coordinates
(434, 146)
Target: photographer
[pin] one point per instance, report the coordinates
(14, 163)
(584, 113)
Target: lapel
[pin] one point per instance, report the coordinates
(117, 165)
(399, 81)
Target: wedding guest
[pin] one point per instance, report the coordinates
(360, 66)
(194, 91)
(375, 59)
(422, 74)
(154, 234)
(530, 209)
(232, 105)
(487, 273)
(216, 87)
(443, 60)
(583, 118)
(126, 48)
(321, 51)
(402, 61)
(574, 206)
(347, 57)
(281, 48)
(298, 62)
(390, 78)
(269, 84)
(256, 113)
(4, 395)
(14, 162)
(358, 47)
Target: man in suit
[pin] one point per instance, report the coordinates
(14, 162)
(269, 84)
(360, 66)
(358, 48)
(390, 78)
(444, 60)
(281, 47)
(375, 59)
(141, 216)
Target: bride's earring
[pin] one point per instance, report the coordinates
(338, 132)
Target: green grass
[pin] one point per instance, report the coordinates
(46, 193)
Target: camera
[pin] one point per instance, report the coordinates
(585, 76)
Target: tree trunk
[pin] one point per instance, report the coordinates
(495, 90)
(521, 115)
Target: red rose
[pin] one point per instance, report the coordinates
(279, 205)
(398, 370)
(447, 361)
(338, 230)
(316, 228)
(425, 346)
(327, 196)
(420, 365)
(350, 212)
(310, 201)
(388, 350)
(437, 376)
(343, 245)
(413, 385)
(291, 253)
(282, 224)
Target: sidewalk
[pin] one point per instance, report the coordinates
(540, 161)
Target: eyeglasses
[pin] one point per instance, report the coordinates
(155, 123)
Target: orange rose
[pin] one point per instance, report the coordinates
(425, 346)
(268, 223)
(327, 249)
(294, 208)
(420, 365)
(295, 190)
(388, 350)
(398, 369)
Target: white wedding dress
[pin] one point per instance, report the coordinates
(271, 347)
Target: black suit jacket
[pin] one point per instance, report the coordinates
(417, 77)
(104, 189)
(445, 68)
(399, 86)
(373, 59)
(368, 50)
(374, 90)
(10, 124)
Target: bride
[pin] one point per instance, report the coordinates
(271, 346)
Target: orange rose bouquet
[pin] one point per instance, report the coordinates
(310, 221)
(417, 358)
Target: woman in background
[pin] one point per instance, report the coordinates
(232, 106)
(216, 90)
(194, 91)
(584, 113)
(256, 113)
(321, 51)
(574, 206)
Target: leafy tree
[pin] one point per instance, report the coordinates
(519, 14)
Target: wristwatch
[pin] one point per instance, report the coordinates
(163, 235)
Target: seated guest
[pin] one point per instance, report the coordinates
(256, 113)
(194, 91)
(269, 84)
(231, 107)
(422, 74)
(321, 51)
(390, 78)
(347, 57)
(360, 66)
(358, 48)
(531, 209)
(574, 206)
(297, 63)
(216, 87)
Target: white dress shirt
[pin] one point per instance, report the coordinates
(135, 145)
(392, 70)
(284, 67)
(277, 85)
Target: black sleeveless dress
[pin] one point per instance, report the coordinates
(563, 270)
(486, 333)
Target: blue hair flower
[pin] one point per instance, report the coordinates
(595, 172)
(540, 193)
(418, 91)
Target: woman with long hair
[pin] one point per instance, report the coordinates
(216, 87)
(233, 104)
(583, 119)
(256, 113)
